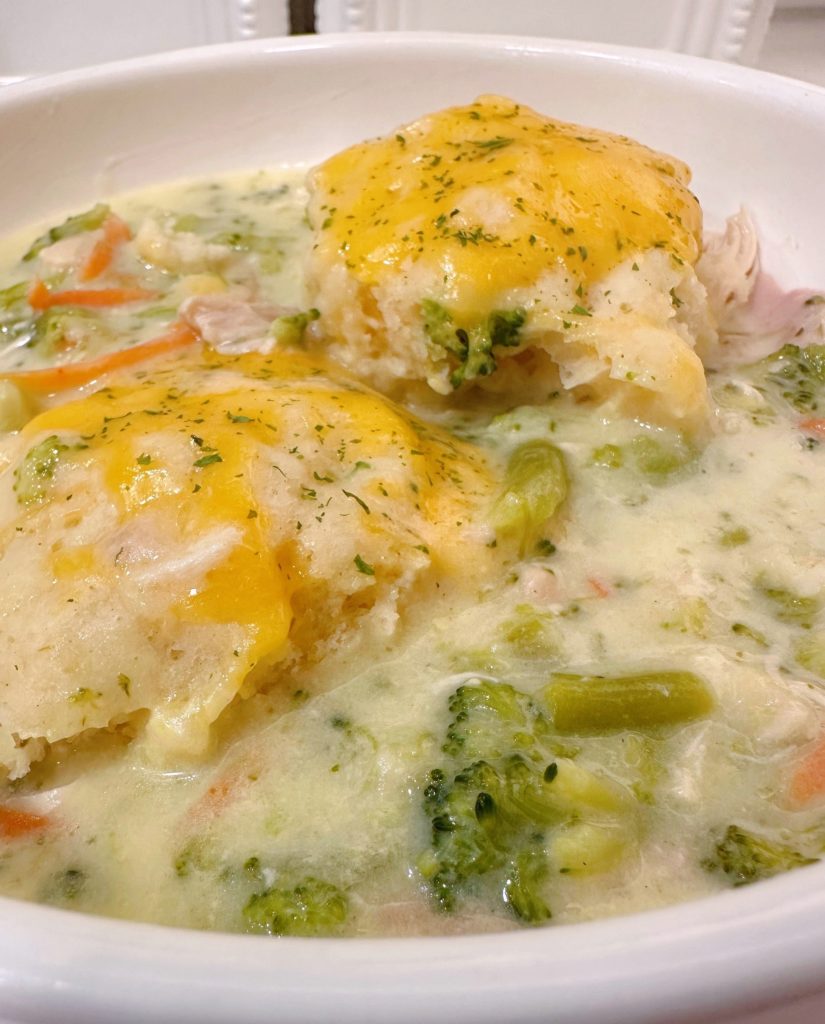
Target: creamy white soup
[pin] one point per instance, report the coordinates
(434, 544)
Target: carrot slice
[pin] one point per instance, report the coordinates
(813, 427)
(808, 781)
(73, 375)
(115, 233)
(15, 823)
(39, 295)
(224, 791)
(599, 588)
(41, 298)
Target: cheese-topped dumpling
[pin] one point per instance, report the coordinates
(190, 530)
(486, 244)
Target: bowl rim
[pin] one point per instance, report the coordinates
(753, 947)
(192, 58)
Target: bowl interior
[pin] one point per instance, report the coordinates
(752, 139)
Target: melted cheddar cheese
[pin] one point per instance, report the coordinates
(211, 518)
(494, 194)
(488, 245)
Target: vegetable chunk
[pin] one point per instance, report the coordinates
(535, 486)
(312, 907)
(587, 705)
(507, 806)
(747, 857)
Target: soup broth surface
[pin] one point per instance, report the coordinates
(443, 774)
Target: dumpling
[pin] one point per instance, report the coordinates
(188, 532)
(489, 245)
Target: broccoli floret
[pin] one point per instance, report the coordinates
(313, 907)
(489, 804)
(505, 794)
(198, 854)
(66, 887)
(505, 327)
(439, 327)
(524, 882)
(493, 720)
(485, 819)
(472, 347)
(290, 330)
(746, 857)
(531, 633)
(799, 374)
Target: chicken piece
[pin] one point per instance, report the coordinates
(756, 317)
(230, 324)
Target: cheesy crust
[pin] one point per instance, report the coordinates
(193, 529)
(447, 249)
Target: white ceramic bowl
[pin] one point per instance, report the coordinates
(756, 955)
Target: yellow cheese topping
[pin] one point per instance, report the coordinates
(199, 442)
(494, 194)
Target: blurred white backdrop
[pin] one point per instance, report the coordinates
(38, 36)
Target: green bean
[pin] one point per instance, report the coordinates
(590, 705)
(14, 294)
(535, 487)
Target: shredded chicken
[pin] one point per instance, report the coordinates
(230, 324)
(755, 316)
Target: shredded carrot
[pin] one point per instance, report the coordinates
(115, 233)
(234, 780)
(15, 823)
(813, 427)
(808, 780)
(74, 375)
(39, 295)
(599, 589)
(215, 798)
(41, 298)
